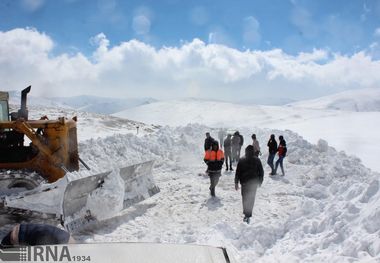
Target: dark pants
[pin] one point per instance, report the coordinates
(238, 153)
(228, 157)
(279, 162)
(214, 179)
(270, 161)
(248, 192)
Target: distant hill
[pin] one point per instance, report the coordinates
(267, 101)
(361, 100)
(213, 113)
(94, 104)
(102, 105)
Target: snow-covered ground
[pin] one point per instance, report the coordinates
(326, 208)
(353, 132)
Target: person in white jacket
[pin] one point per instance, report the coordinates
(256, 145)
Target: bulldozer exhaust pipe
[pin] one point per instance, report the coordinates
(23, 112)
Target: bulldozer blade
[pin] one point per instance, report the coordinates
(138, 185)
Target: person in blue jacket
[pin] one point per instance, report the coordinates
(35, 234)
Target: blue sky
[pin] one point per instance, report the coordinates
(323, 29)
(294, 26)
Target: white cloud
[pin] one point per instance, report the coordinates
(134, 68)
(219, 36)
(32, 5)
(251, 34)
(102, 43)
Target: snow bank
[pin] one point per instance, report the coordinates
(326, 208)
(352, 132)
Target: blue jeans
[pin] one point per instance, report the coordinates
(270, 161)
(279, 162)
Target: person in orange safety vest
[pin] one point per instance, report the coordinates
(214, 159)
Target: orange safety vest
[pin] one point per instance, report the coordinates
(213, 155)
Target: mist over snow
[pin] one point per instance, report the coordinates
(135, 69)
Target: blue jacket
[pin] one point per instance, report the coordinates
(39, 234)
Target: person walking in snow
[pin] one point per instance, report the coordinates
(236, 146)
(256, 145)
(250, 174)
(34, 235)
(221, 135)
(228, 152)
(208, 141)
(272, 150)
(281, 155)
(214, 158)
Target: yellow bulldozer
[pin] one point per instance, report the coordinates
(53, 148)
(35, 154)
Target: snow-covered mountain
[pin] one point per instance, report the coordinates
(101, 105)
(351, 100)
(326, 208)
(267, 101)
(353, 132)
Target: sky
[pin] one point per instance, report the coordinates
(246, 50)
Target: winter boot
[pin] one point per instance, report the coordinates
(212, 191)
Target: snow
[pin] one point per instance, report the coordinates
(326, 208)
(94, 104)
(351, 100)
(352, 132)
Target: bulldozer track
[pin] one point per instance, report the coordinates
(23, 180)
